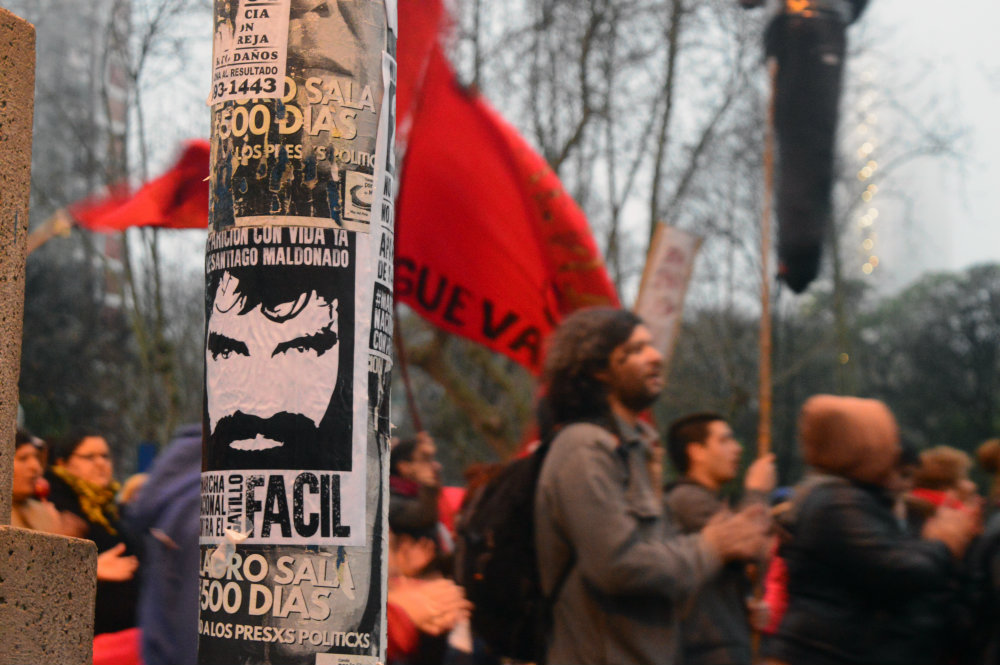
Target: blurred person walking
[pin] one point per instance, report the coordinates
(861, 589)
(983, 566)
(166, 513)
(616, 577)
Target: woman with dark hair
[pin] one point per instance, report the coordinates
(27, 511)
(84, 493)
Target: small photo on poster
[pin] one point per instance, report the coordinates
(304, 155)
(279, 357)
(358, 196)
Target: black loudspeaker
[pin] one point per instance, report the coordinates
(810, 53)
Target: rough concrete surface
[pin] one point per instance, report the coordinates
(17, 87)
(47, 586)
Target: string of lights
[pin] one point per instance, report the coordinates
(866, 154)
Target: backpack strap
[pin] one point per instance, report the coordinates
(547, 618)
(550, 599)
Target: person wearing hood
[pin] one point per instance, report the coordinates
(860, 588)
(166, 513)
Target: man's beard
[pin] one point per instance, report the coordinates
(302, 443)
(638, 400)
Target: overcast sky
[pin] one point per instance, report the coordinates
(957, 209)
(951, 223)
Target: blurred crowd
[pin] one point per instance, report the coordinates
(880, 554)
(68, 488)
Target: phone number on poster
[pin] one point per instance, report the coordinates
(244, 87)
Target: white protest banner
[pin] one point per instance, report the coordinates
(660, 302)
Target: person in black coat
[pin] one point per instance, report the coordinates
(861, 589)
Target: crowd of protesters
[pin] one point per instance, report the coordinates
(880, 555)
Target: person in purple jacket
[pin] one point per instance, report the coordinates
(166, 514)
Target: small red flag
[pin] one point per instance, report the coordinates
(178, 199)
(488, 244)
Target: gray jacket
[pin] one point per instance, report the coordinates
(716, 629)
(597, 516)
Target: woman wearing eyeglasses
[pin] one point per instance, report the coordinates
(83, 491)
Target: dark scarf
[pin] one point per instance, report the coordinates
(97, 503)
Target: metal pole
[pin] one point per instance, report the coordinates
(298, 333)
(765, 387)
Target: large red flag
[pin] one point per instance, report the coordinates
(488, 244)
(178, 199)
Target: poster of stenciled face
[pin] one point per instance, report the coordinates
(296, 92)
(297, 334)
(291, 474)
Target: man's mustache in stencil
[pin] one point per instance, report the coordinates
(282, 427)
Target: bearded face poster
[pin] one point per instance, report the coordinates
(280, 365)
(298, 329)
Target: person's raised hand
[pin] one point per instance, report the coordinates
(762, 475)
(435, 606)
(954, 527)
(738, 536)
(114, 565)
(759, 613)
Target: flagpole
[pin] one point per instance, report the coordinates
(404, 373)
(765, 387)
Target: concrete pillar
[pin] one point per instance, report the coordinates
(47, 582)
(47, 586)
(17, 87)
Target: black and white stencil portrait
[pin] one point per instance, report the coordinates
(279, 363)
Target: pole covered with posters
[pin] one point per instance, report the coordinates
(298, 333)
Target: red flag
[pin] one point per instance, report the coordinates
(488, 244)
(420, 23)
(177, 199)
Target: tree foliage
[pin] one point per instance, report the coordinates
(933, 353)
(654, 110)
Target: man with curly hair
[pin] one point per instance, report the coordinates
(617, 575)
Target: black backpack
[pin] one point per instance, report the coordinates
(495, 562)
